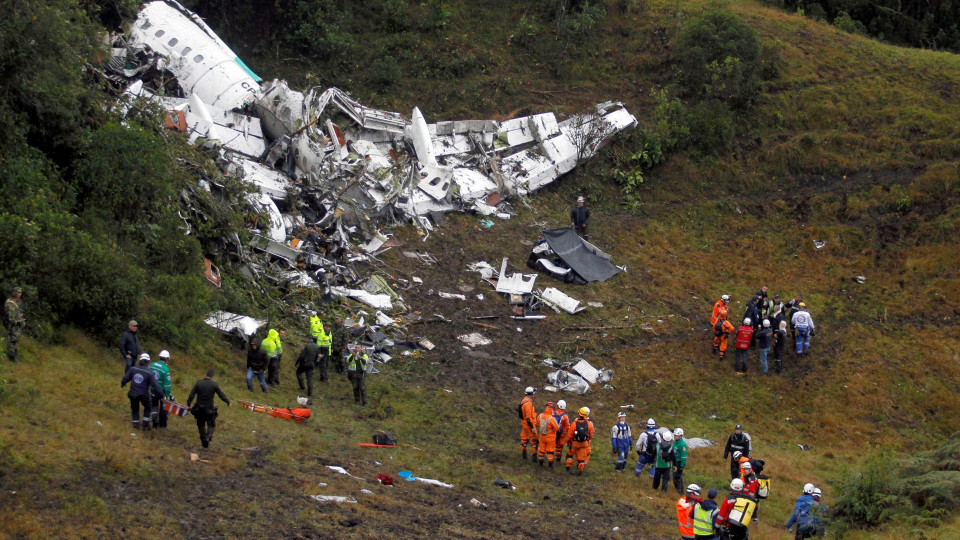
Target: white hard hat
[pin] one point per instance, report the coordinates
(165, 354)
(693, 488)
(530, 390)
(651, 423)
(580, 198)
(562, 405)
(144, 356)
(677, 433)
(808, 488)
(817, 492)
(725, 298)
(766, 323)
(747, 466)
(747, 321)
(737, 454)
(621, 414)
(668, 436)
(736, 484)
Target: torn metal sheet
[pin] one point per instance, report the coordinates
(560, 301)
(274, 224)
(452, 296)
(585, 370)
(474, 340)
(379, 301)
(230, 323)
(568, 382)
(516, 283)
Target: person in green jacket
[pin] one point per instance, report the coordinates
(357, 372)
(665, 459)
(680, 456)
(160, 369)
(273, 346)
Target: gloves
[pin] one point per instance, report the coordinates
(812, 333)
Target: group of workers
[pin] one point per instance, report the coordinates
(764, 326)
(550, 431)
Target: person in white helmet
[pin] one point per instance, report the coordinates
(801, 516)
(685, 507)
(579, 217)
(621, 439)
(647, 448)
(680, 455)
(763, 344)
(528, 418)
(560, 415)
(161, 370)
(665, 461)
(744, 339)
(802, 322)
(736, 512)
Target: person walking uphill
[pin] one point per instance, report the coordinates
(160, 369)
(204, 411)
(738, 441)
(579, 217)
(547, 428)
(142, 382)
(578, 438)
(621, 440)
(14, 321)
(257, 361)
(528, 416)
(273, 346)
(801, 513)
(357, 373)
(130, 345)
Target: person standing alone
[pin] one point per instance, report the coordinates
(204, 411)
(14, 321)
(579, 217)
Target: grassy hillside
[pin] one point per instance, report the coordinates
(853, 144)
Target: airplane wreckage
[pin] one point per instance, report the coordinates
(330, 170)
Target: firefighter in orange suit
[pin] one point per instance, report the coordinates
(547, 428)
(719, 314)
(528, 416)
(721, 332)
(579, 435)
(560, 414)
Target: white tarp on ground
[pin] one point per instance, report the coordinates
(228, 323)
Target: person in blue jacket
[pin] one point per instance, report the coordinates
(801, 508)
(141, 380)
(621, 440)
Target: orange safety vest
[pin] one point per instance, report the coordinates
(684, 517)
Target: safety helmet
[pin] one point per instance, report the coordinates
(725, 298)
(747, 321)
(580, 198)
(736, 484)
(144, 358)
(817, 493)
(766, 323)
(693, 488)
(808, 489)
(803, 304)
(584, 411)
(562, 405)
(739, 427)
(747, 466)
(678, 433)
(165, 354)
(550, 404)
(651, 423)
(737, 454)
(530, 391)
(668, 436)
(621, 414)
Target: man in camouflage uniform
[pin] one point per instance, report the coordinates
(14, 321)
(340, 338)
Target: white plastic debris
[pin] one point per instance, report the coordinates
(366, 492)
(474, 340)
(333, 498)
(819, 244)
(477, 503)
(433, 482)
(453, 296)
(340, 470)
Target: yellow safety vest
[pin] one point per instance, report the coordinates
(354, 365)
(703, 521)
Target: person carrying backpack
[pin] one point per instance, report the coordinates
(719, 314)
(578, 439)
(528, 415)
(647, 448)
(721, 336)
(621, 440)
(665, 460)
(736, 512)
(560, 415)
(801, 516)
(547, 428)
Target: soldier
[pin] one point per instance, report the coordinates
(14, 321)
(339, 344)
(356, 372)
(204, 411)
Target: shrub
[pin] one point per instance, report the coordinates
(711, 126)
(847, 23)
(384, 71)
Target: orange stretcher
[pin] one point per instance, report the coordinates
(295, 414)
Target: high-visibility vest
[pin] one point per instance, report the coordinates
(357, 366)
(316, 327)
(703, 520)
(683, 517)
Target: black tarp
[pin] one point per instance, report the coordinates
(587, 261)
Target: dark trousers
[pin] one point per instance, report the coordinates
(661, 474)
(581, 229)
(13, 338)
(305, 372)
(678, 480)
(338, 360)
(158, 416)
(778, 357)
(135, 403)
(127, 363)
(273, 371)
(740, 363)
(359, 386)
(734, 469)
(322, 362)
(737, 532)
(206, 424)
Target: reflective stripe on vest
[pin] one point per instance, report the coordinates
(702, 524)
(352, 364)
(683, 517)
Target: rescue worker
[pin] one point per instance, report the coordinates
(325, 344)
(685, 506)
(14, 321)
(740, 459)
(621, 440)
(339, 344)
(801, 516)
(719, 314)
(763, 343)
(316, 326)
(744, 338)
(130, 345)
(791, 308)
(705, 516)
(142, 382)
(776, 306)
(305, 363)
(273, 346)
(736, 512)
(578, 439)
(160, 369)
(721, 335)
(751, 485)
(357, 373)
(560, 415)
(257, 361)
(818, 513)
(528, 415)
(204, 411)
(737, 441)
(753, 313)
(802, 322)
(779, 346)
(547, 429)
(579, 217)
(647, 448)
(680, 454)
(665, 460)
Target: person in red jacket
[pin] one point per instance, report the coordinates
(735, 531)
(528, 416)
(547, 428)
(744, 337)
(578, 438)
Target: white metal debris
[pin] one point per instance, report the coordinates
(474, 340)
(516, 283)
(585, 370)
(228, 323)
(333, 498)
(560, 301)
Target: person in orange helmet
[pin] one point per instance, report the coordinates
(528, 418)
(547, 428)
(560, 415)
(578, 438)
(719, 314)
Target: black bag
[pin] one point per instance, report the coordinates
(520, 410)
(385, 439)
(582, 433)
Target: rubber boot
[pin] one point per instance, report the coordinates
(550, 464)
(540, 461)
(524, 452)
(210, 431)
(579, 472)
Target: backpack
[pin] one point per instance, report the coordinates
(559, 419)
(764, 490)
(742, 511)
(651, 449)
(385, 439)
(520, 410)
(544, 424)
(582, 432)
